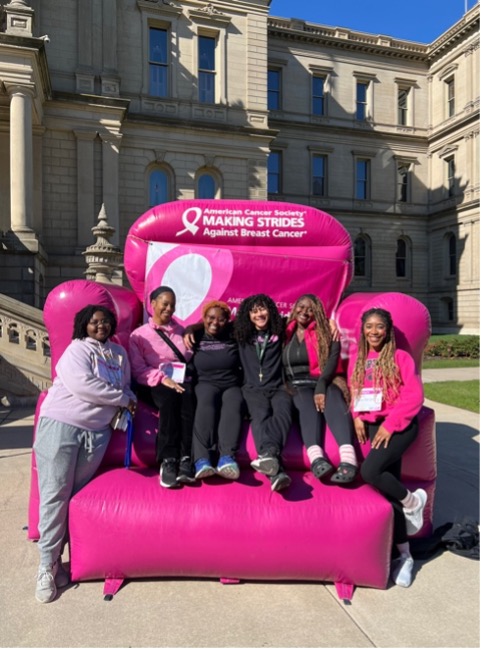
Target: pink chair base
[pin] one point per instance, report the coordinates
(124, 525)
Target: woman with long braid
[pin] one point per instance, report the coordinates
(320, 395)
(387, 395)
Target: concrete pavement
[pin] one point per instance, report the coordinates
(440, 609)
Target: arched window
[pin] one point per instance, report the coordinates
(206, 187)
(159, 187)
(362, 257)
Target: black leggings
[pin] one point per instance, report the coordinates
(313, 423)
(382, 469)
(217, 423)
(270, 412)
(176, 417)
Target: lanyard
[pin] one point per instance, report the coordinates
(260, 351)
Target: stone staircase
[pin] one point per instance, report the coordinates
(24, 353)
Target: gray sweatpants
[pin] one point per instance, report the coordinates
(67, 458)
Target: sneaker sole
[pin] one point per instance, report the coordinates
(266, 466)
(205, 472)
(183, 478)
(282, 484)
(228, 472)
(169, 485)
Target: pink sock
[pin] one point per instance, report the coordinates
(347, 455)
(314, 452)
(410, 501)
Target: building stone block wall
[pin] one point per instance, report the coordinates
(99, 135)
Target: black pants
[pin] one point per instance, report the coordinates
(176, 417)
(218, 419)
(382, 469)
(270, 412)
(312, 423)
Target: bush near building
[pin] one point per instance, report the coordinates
(453, 346)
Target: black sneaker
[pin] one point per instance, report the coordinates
(280, 481)
(186, 472)
(168, 473)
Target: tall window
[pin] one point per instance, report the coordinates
(402, 106)
(274, 172)
(361, 253)
(450, 309)
(450, 162)
(158, 187)
(206, 187)
(361, 100)
(450, 85)
(319, 164)
(401, 259)
(403, 183)
(318, 95)
(362, 179)
(207, 69)
(452, 254)
(158, 62)
(274, 90)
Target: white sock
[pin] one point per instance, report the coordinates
(411, 501)
(314, 452)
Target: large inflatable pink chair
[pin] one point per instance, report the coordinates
(124, 525)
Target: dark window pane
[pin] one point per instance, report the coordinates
(207, 47)
(206, 187)
(158, 188)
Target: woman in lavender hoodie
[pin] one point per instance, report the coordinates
(92, 381)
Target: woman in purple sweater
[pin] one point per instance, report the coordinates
(387, 395)
(92, 381)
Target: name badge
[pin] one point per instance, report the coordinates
(175, 370)
(369, 399)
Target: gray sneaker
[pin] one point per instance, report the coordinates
(46, 588)
(266, 464)
(280, 482)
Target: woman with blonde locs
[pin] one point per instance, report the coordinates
(387, 395)
(320, 395)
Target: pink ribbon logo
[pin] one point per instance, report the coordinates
(190, 226)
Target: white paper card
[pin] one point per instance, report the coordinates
(175, 370)
(369, 399)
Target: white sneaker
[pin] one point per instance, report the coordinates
(402, 569)
(414, 518)
(46, 588)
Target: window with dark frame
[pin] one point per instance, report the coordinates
(319, 165)
(362, 179)
(360, 257)
(361, 100)
(452, 255)
(450, 85)
(206, 187)
(318, 95)
(207, 69)
(450, 176)
(401, 259)
(402, 106)
(274, 172)
(158, 62)
(274, 89)
(403, 182)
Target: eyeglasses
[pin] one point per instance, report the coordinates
(104, 321)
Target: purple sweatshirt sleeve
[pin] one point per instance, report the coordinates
(410, 398)
(74, 370)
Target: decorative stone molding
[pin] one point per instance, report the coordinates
(19, 18)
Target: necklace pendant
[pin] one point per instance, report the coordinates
(260, 376)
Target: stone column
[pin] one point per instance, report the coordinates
(110, 179)
(21, 156)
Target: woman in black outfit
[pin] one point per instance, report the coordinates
(218, 417)
(259, 330)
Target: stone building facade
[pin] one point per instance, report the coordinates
(122, 104)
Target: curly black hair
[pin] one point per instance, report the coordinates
(245, 330)
(83, 317)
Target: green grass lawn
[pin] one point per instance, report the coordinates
(462, 394)
(459, 362)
